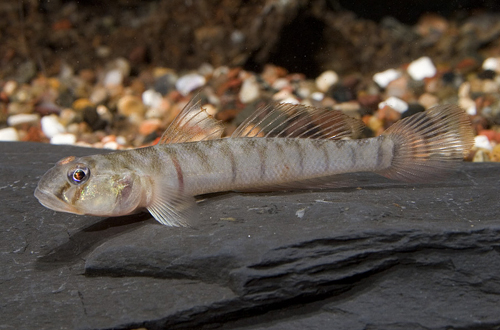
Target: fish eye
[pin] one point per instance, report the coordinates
(79, 175)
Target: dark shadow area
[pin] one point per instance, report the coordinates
(301, 305)
(408, 12)
(297, 47)
(82, 242)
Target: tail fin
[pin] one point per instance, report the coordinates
(430, 144)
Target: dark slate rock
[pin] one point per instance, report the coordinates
(380, 255)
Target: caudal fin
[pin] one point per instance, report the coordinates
(430, 144)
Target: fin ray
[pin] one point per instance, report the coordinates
(193, 123)
(430, 144)
(170, 208)
(298, 121)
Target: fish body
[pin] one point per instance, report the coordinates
(286, 147)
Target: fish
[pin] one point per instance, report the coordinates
(278, 147)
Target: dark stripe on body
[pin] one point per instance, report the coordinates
(326, 154)
(203, 154)
(300, 152)
(380, 156)
(261, 150)
(352, 151)
(229, 153)
(178, 169)
(154, 159)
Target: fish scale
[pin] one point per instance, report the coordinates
(277, 148)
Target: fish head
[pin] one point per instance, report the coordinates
(84, 186)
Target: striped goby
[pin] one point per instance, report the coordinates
(278, 148)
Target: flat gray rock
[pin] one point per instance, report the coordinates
(377, 255)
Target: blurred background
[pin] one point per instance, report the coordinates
(299, 35)
(114, 73)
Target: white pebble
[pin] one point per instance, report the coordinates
(10, 87)
(206, 69)
(249, 91)
(468, 104)
(51, 126)
(471, 111)
(23, 118)
(188, 83)
(121, 140)
(490, 86)
(122, 65)
(113, 78)
(98, 95)
(385, 77)
(290, 100)
(491, 63)
(152, 98)
(280, 83)
(317, 96)
(111, 145)
(63, 138)
(326, 80)
(281, 95)
(422, 68)
(481, 141)
(395, 103)
(304, 92)
(9, 134)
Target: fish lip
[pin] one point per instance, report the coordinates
(50, 201)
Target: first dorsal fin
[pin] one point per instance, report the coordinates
(298, 121)
(193, 123)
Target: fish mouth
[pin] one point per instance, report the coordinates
(50, 201)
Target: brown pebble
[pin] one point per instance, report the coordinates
(374, 123)
(388, 115)
(428, 100)
(495, 153)
(15, 108)
(492, 135)
(138, 54)
(34, 134)
(149, 126)
(227, 115)
(81, 104)
(397, 87)
(369, 101)
(130, 105)
(108, 138)
(87, 75)
(272, 72)
(431, 24)
(467, 65)
(481, 155)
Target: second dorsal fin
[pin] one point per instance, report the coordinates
(193, 123)
(298, 121)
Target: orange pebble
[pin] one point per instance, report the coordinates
(149, 126)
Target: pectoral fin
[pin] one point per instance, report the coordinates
(170, 208)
